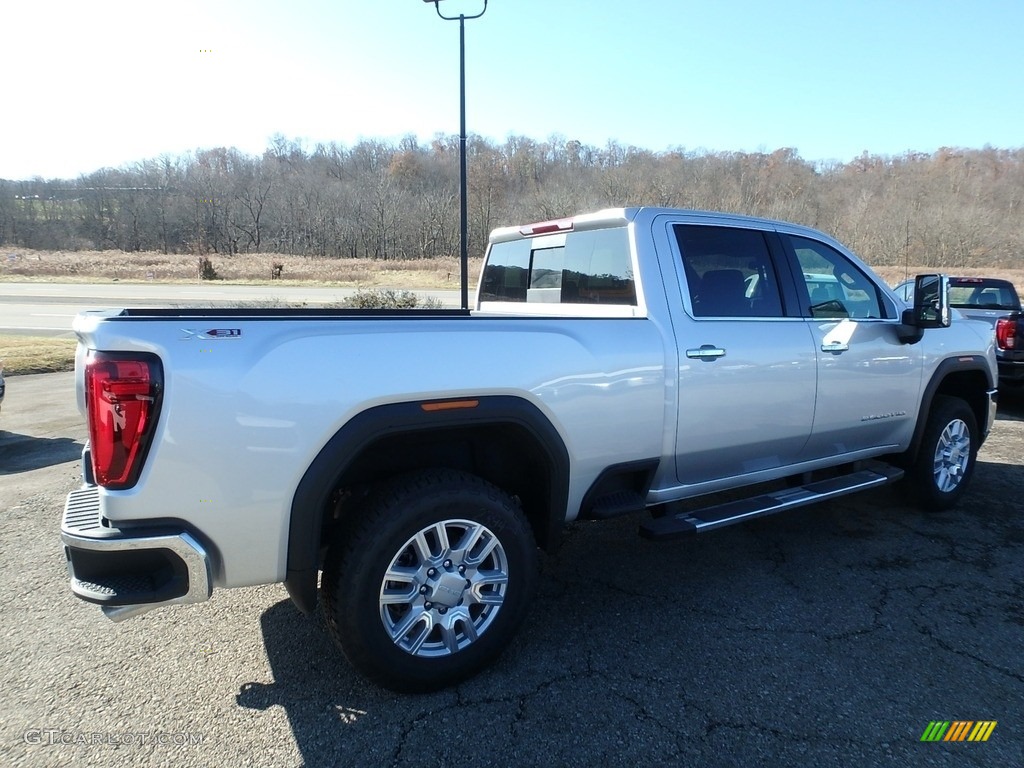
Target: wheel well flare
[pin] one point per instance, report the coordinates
(505, 440)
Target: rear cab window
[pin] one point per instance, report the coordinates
(590, 268)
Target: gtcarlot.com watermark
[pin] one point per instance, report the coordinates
(48, 737)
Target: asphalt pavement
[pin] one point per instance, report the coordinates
(828, 636)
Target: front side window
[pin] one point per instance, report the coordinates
(836, 288)
(729, 272)
(588, 267)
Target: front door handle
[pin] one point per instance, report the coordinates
(836, 346)
(707, 352)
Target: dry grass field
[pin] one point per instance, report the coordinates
(34, 354)
(94, 266)
(895, 275)
(37, 355)
(98, 266)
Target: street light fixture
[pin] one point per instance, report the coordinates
(463, 183)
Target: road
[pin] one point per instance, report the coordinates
(828, 636)
(47, 308)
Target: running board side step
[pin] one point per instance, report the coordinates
(874, 474)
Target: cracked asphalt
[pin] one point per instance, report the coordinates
(828, 636)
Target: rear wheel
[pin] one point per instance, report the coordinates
(430, 584)
(945, 461)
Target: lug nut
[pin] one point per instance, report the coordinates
(428, 605)
(431, 572)
(424, 590)
(462, 569)
(442, 611)
(447, 563)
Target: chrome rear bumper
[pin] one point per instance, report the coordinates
(130, 572)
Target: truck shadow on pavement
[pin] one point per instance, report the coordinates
(811, 636)
(23, 453)
(311, 677)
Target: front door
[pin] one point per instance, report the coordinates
(869, 382)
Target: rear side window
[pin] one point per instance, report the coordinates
(589, 267)
(729, 272)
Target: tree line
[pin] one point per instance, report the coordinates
(399, 200)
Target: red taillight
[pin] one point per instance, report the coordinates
(122, 394)
(1006, 333)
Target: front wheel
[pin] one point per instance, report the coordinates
(432, 581)
(945, 461)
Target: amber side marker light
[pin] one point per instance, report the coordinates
(449, 405)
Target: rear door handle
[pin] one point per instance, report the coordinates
(707, 352)
(836, 346)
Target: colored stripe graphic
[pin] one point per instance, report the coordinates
(959, 730)
(935, 731)
(982, 730)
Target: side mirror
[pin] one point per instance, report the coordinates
(931, 308)
(931, 301)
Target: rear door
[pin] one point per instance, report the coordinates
(746, 359)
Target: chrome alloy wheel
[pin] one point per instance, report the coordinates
(443, 588)
(952, 454)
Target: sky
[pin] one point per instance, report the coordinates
(89, 84)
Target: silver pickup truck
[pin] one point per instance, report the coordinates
(411, 464)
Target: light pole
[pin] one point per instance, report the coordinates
(463, 182)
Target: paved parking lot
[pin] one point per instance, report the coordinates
(829, 636)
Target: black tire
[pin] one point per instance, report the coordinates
(944, 463)
(452, 610)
